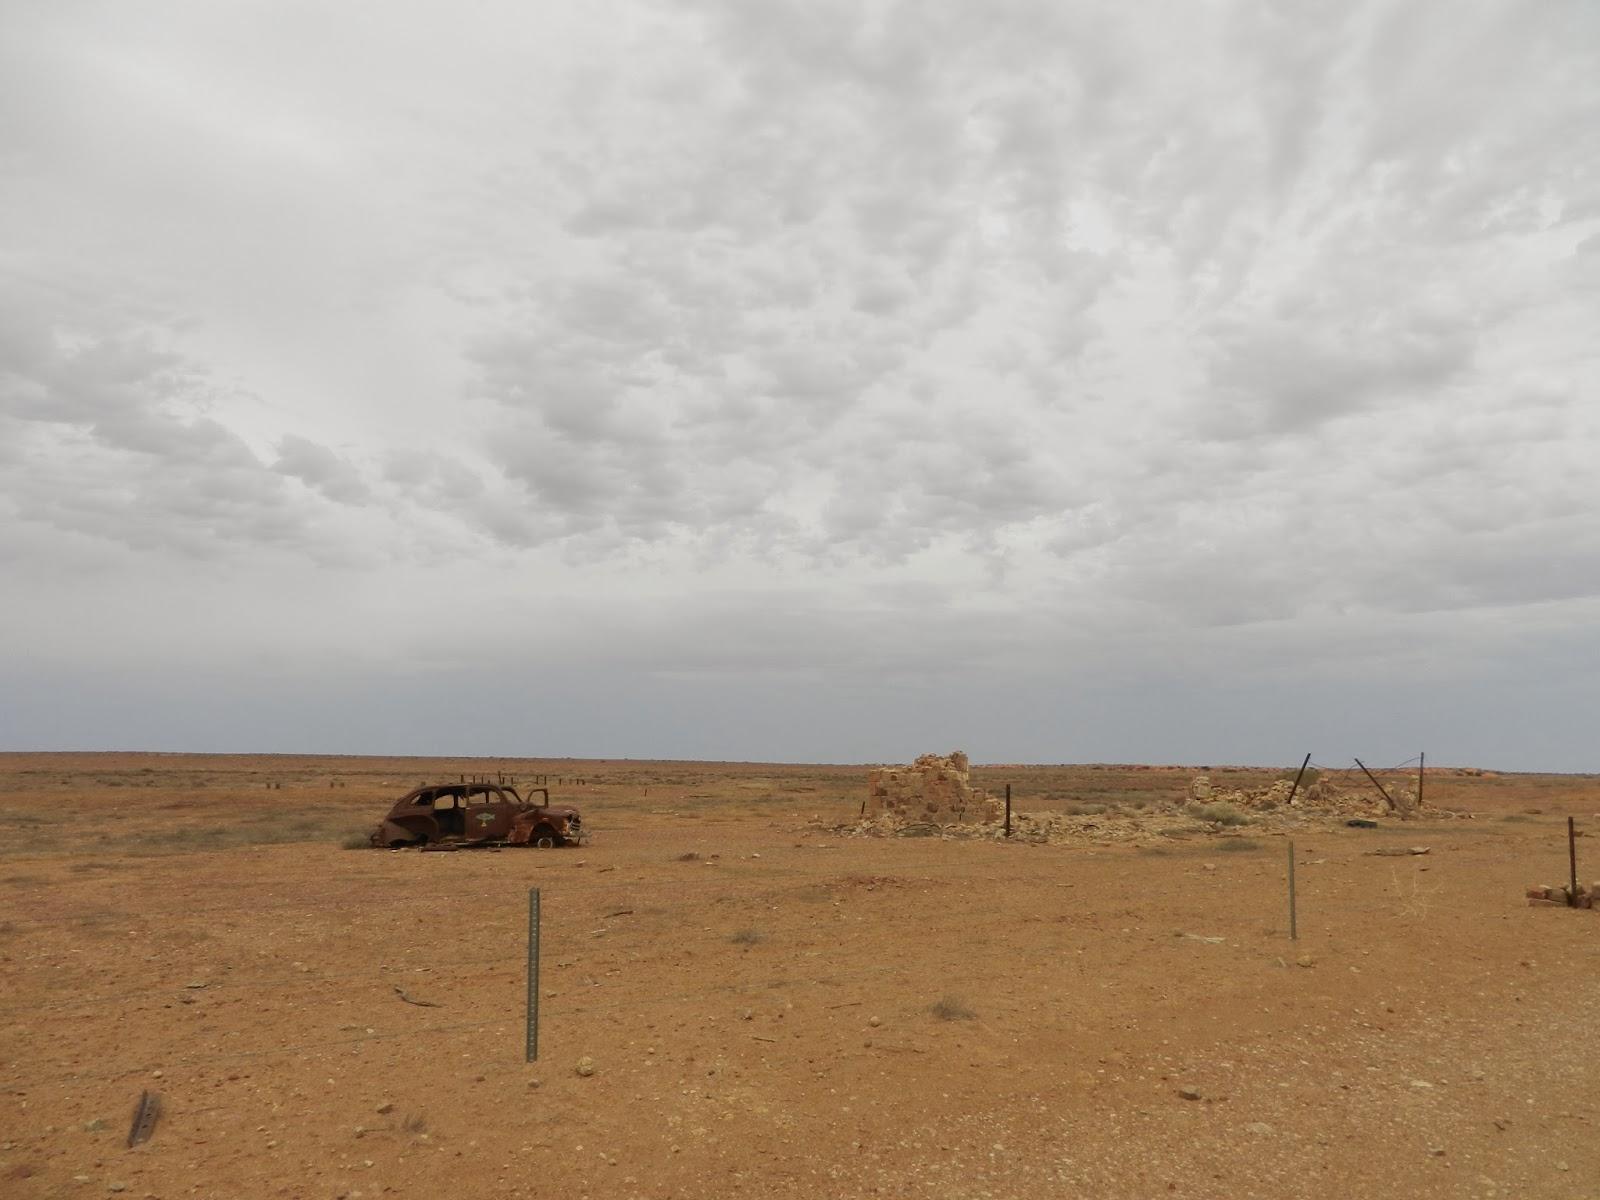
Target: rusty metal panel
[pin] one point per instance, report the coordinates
(145, 1115)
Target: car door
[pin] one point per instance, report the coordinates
(488, 815)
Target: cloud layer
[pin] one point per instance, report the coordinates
(1206, 361)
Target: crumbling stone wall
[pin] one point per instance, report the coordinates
(1322, 796)
(936, 789)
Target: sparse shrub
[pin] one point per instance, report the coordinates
(356, 841)
(691, 856)
(1218, 813)
(747, 937)
(414, 1123)
(948, 1008)
(1236, 845)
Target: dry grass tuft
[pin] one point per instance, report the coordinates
(948, 1008)
(1219, 813)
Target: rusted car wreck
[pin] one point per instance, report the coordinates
(478, 814)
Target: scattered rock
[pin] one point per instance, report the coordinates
(385, 1109)
(94, 1126)
(585, 1066)
(874, 1021)
(1188, 1094)
(1305, 960)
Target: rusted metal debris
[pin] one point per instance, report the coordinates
(145, 1115)
(478, 814)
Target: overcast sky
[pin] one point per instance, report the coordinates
(807, 380)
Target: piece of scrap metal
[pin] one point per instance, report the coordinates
(145, 1116)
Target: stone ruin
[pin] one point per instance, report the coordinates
(936, 789)
(1321, 796)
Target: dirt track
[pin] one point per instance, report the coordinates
(761, 1022)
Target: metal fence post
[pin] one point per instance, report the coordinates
(1572, 859)
(1294, 932)
(1299, 775)
(532, 1049)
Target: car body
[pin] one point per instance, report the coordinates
(478, 814)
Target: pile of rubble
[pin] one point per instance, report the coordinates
(1320, 798)
(934, 790)
(1562, 897)
(934, 797)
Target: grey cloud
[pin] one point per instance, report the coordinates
(123, 448)
(1290, 375)
(1453, 109)
(319, 467)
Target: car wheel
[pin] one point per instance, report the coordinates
(543, 838)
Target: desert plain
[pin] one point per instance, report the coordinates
(741, 995)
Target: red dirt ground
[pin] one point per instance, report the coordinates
(761, 1018)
